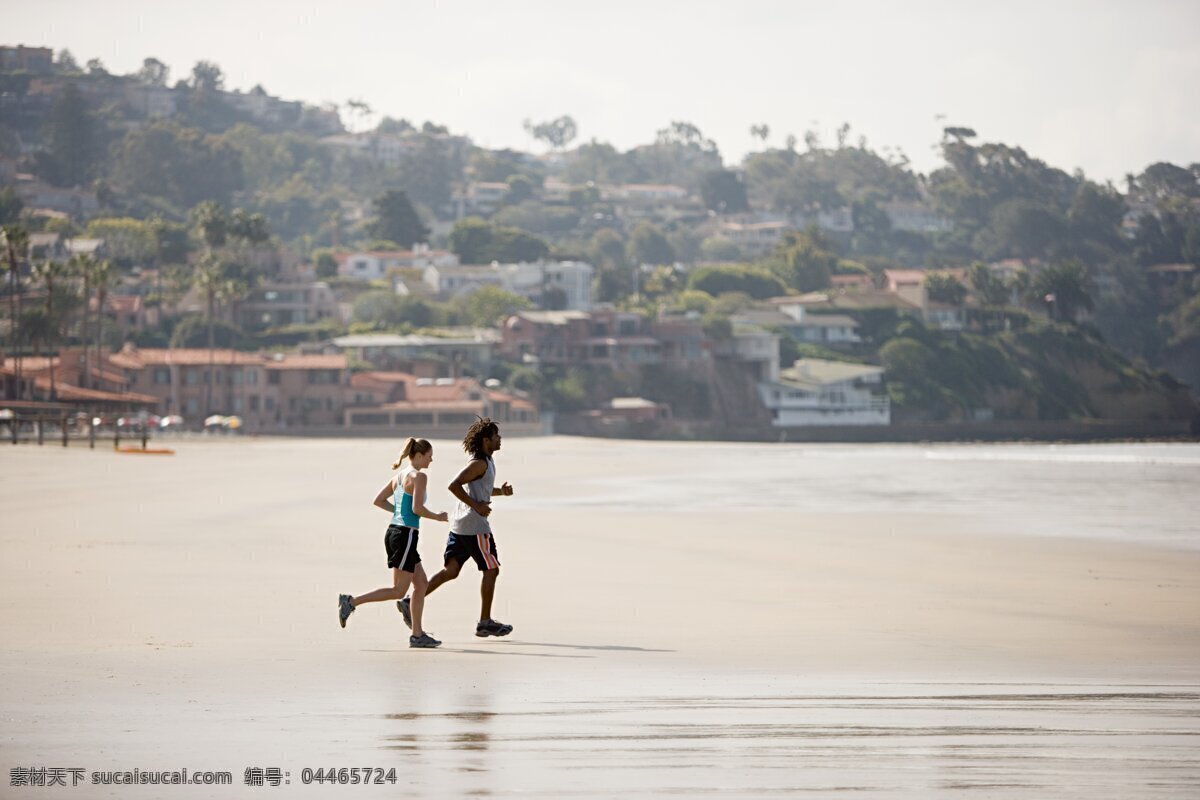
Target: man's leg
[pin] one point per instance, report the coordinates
(447, 573)
(487, 590)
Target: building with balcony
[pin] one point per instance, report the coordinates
(818, 392)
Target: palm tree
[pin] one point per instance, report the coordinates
(229, 291)
(49, 272)
(36, 328)
(16, 243)
(81, 266)
(213, 223)
(102, 279)
(209, 277)
(1066, 288)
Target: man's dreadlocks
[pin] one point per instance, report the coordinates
(482, 428)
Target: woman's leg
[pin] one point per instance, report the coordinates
(417, 603)
(400, 582)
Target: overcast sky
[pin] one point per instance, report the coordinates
(1105, 86)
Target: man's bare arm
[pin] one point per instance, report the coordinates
(471, 472)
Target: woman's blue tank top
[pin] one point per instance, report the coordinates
(403, 502)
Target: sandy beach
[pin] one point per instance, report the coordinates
(1006, 621)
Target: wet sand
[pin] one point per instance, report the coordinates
(756, 634)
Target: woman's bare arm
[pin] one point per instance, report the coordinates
(384, 498)
(420, 481)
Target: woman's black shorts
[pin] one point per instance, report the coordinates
(401, 544)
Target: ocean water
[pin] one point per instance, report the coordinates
(1143, 493)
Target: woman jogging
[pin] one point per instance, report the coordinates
(404, 496)
(471, 532)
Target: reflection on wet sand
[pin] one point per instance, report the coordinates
(1015, 740)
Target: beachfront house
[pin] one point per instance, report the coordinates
(815, 391)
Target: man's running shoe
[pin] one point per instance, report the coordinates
(345, 608)
(405, 612)
(490, 627)
(424, 640)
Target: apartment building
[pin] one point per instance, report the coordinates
(269, 391)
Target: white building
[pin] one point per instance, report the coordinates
(375, 264)
(817, 392)
(383, 350)
(459, 279)
(795, 321)
(573, 279)
(535, 281)
(754, 346)
(755, 237)
(918, 217)
(652, 193)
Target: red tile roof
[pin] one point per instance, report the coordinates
(66, 391)
(195, 356)
(298, 361)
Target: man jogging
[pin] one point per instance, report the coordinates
(470, 530)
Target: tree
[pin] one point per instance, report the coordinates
(170, 241)
(1163, 180)
(154, 72)
(1096, 214)
(396, 220)
(514, 244)
(49, 273)
(131, 242)
(80, 266)
(326, 264)
(475, 241)
(1022, 229)
(987, 286)
(10, 206)
(394, 127)
(607, 249)
(909, 365)
(65, 63)
(487, 305)
(470, 240)
(207, 77)
(943, 288)
(760, 131)
(720, 248)
(250, 228)
(872, 227)
(723, 192)
(183, 166)
(804, 260)
(1066, 289)
(648, 245)
(72, 141)
(520, 189)
(103, 276)
(15, 241)
(756, 282)
(96, 68)
(359, 109)
(210, 219)
(557, 133)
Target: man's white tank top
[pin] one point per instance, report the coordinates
(464, 519)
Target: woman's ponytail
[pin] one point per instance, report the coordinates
(406, 452)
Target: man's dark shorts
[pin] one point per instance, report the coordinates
(400, 542)
(481, 549)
